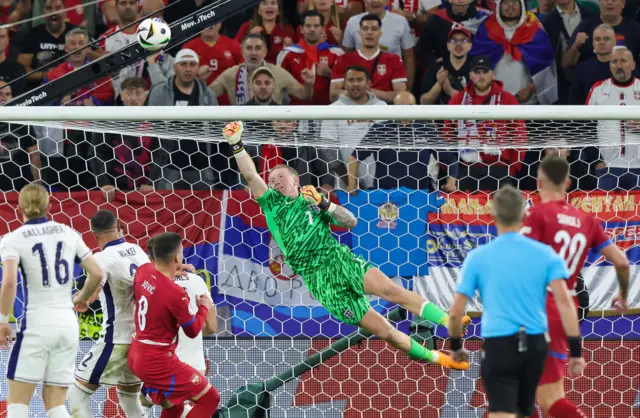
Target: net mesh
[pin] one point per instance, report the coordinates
(268, 320)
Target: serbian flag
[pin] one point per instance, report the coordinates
(530, 44)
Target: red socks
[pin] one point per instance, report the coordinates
(565, 409)
(174, 412)
(206, 405)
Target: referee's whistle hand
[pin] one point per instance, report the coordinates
(576, 366)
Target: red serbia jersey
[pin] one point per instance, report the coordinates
(297, 57)
(275, 39)
(225, 53)
(162, 307)
(388, 69)
(570, 232)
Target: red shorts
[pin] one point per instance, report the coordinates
(164, 376)
(556, 364)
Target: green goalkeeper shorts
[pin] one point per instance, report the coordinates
(339, 286)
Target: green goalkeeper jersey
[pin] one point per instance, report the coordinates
(302, 231)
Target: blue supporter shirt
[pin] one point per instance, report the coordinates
(511, 274)
(392, 227)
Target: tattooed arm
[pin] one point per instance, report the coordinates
(343, 217)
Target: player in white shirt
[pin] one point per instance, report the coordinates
(106, 362)
(46, 343)
(189, 350)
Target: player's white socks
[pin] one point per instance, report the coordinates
(187, 408)
(58, 412)
(17, 410)
(130, 403)
(80, 401)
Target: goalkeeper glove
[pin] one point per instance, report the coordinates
(232, 132)
(313, 197)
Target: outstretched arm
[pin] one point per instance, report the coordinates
(341, 215)
(233, 134)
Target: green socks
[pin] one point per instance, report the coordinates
(432, 313)
(419, 352)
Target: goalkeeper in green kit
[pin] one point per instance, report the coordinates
(299, 219)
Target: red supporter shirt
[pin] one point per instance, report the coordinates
(100, 90)
(162, 307)
(339, 3)
(225, 53)
(75, 16)
(275, 40)
(570, 232)
(298, 57)
(389, 69)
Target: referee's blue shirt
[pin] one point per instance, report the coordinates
(511, 274)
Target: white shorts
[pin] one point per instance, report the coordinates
(44, 356)
(106, 364)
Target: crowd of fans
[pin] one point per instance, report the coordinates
(335, 53)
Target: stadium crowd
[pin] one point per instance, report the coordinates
(335, 53)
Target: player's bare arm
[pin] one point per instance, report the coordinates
(340, 214)
(569, 318)
(7, 298)
(615, 256)
(93, 282)
(455, 327)
(232, 132)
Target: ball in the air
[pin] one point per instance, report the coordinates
(153, 34)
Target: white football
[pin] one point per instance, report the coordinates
(153, 34)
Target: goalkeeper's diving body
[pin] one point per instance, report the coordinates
(299, 220)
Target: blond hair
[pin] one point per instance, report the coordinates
(33, 201)
(335, 15)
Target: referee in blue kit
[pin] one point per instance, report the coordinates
(512, 274)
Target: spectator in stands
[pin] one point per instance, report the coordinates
(333, 25)
(19, 157)
(344, 8)
(619, 167)
(416, 12)
(561, 24)
(187, 164)
(123, 162)
(446, 79)
(520, 52)
(410, 168)
(395, 36)
(117, 38)
(159, 67)
(544, 8)
(386, 72)
(594, 69)
(12, 12)
(432, 46)
(310, 53)
(216, 53)
(627, 33)
(97, 93)
(489, 151)
(235, 80)
(44, 43)
(269, 22)
(263, 85)
(10, 69)
(349, 134)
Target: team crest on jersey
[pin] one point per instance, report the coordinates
(388, 215)
(227, 55)
(195, 379)
(324, 60)
(636, 95)
(382, 69)
(278, 267)
(277, 40)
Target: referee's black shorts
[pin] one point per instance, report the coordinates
(510, 377)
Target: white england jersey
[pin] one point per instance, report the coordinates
(46, 252)
(119, 261)
(618, 135)
(190, 350)
(115, 41)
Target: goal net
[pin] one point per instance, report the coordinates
(418, 178)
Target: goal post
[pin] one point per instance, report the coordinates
(271, 329)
